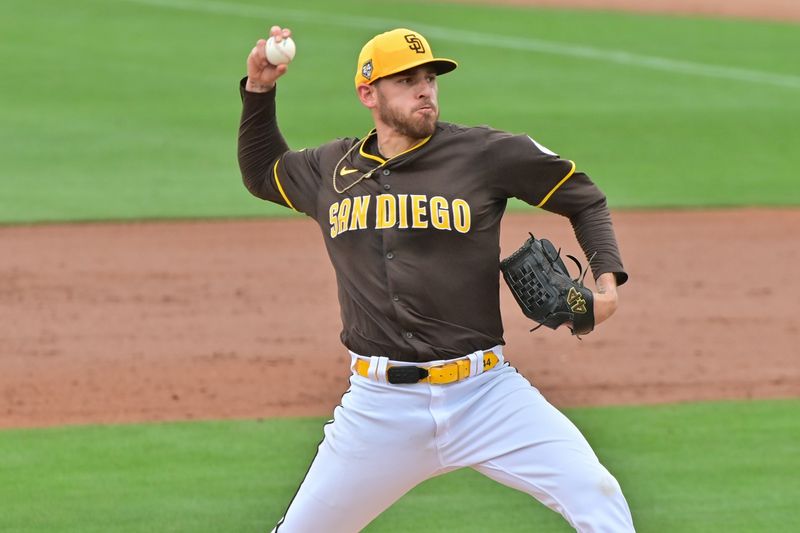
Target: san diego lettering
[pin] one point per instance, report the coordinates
(400, 211)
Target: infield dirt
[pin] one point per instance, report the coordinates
(781, 10)
(108, 323)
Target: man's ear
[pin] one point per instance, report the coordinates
(368, 95)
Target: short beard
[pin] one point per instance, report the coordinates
(409, 126)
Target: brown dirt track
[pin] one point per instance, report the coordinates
(154, 321)
(138, 322)
(780, 10)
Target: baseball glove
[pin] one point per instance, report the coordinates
(543, 288)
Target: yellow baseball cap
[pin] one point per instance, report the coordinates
(396, 51)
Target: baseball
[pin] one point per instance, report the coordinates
(280, 53)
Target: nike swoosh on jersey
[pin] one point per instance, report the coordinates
(345, 171)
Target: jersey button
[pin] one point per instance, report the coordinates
(409, 335)
(386, 171)
(390, 255)
(386, 186)
(395, 298)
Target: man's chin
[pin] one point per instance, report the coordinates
(426, 126)
(417, 126)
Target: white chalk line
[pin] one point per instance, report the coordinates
(471, 37)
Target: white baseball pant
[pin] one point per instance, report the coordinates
(385, 439)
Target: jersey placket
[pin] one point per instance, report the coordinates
(394, 259)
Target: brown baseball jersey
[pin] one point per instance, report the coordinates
(415, 239)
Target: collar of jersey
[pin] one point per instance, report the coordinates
(381, 160)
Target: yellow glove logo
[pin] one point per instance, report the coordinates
(575, 301)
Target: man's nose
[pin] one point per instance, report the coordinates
(424, 89)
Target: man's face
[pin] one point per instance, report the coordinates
(408, 103)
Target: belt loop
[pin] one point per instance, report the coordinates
(475, 363)
(383, 366)
(377, 368)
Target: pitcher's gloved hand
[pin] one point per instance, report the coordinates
(543, 288)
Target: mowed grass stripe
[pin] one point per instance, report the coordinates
(728, 466)
(136, 112)
(473, 37)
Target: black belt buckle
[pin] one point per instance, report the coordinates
(406, 374)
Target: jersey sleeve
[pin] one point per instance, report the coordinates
(296, 178)
(529, 171)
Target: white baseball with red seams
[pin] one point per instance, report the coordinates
(280, 53)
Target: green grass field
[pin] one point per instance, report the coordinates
(728, 467)
(129, 109)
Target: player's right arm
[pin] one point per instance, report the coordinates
(269, 169)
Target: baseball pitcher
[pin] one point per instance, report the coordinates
(410, 216)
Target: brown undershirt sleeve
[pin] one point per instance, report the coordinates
(595, 233)
(260, 141)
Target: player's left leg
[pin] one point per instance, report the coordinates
(507, 430)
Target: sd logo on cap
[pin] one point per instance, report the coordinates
(396, 51)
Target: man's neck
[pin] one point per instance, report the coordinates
(391, 143)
